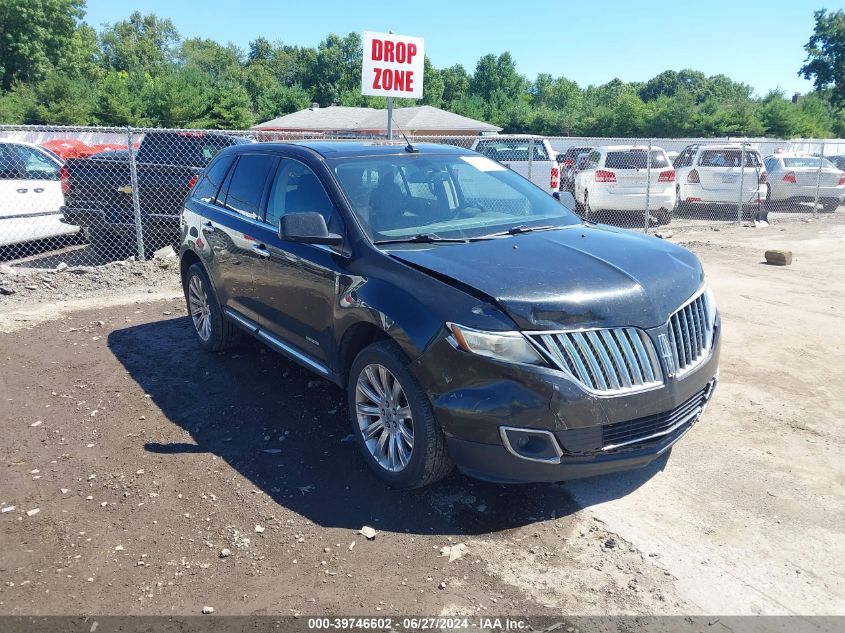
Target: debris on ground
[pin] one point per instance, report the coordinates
(777, 257)
(368, 532)
(454, 552)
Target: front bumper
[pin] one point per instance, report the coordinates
(474, 398)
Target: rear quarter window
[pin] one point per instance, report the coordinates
(209, 184)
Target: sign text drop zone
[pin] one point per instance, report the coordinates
(392, 66)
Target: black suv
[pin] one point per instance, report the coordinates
(471, 317)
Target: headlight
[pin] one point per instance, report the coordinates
(507, 346)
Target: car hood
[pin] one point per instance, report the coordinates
(580, 276)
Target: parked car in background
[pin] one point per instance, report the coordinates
(99, 192)
(567, 159)
(513, 153)
(465, 312)
(838, 160)
(567, 178)
(793, 178)
(615, 178)
(30, 194)
(712, 174)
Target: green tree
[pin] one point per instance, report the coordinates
(455, 83)
(825, 63)
(145, 43)
(35, 36)
(778, 115)
(63, 100)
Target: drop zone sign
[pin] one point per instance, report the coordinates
(393, 65)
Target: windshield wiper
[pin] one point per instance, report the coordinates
(523, 228)
(420, 238)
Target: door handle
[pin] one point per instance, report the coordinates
(261, 251)
(39, 190)
(21, 190)
(208, 227)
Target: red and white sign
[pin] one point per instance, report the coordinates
(393, 65)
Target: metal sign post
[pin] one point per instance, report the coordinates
(390, 118)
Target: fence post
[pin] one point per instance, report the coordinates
(530, 156)
(818, 182)
(740, 205)
(647, 186)
(136, 201)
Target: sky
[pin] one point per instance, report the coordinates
(591, 42)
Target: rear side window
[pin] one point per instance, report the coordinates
(208, 186)
(36, 165)
(728, 158)
(247, 184)
(635, 159)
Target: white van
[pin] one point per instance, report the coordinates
(31, 194)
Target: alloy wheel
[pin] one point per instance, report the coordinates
(384, 417)
(199, 307)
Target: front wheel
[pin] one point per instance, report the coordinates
(393, 421)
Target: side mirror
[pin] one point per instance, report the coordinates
(307, 228)
(565, 198)
(560, 158)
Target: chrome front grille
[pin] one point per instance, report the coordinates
(690, 335)
(605, 361)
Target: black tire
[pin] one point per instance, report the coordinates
(829, 206)
(109, 246)
(429, 460)
(664, 216)
(222, 333)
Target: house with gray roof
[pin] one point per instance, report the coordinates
(344, 120)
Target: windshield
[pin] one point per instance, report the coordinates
(447, 196)
(808, 161)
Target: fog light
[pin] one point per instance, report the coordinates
(532, 444)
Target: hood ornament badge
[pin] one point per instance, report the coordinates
(666, 354)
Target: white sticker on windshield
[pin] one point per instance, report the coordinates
(482, 163)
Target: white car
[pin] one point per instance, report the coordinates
(713, 175)
(615, 178)
(793, 178)
(31, 194)
(513, 151)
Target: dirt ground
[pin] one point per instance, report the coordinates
(141, 475)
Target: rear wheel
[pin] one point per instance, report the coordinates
(829, 206)
(664, 216)
(393, 421)
(109, 246)
(214, 331)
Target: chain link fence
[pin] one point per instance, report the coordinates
(92, 195)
